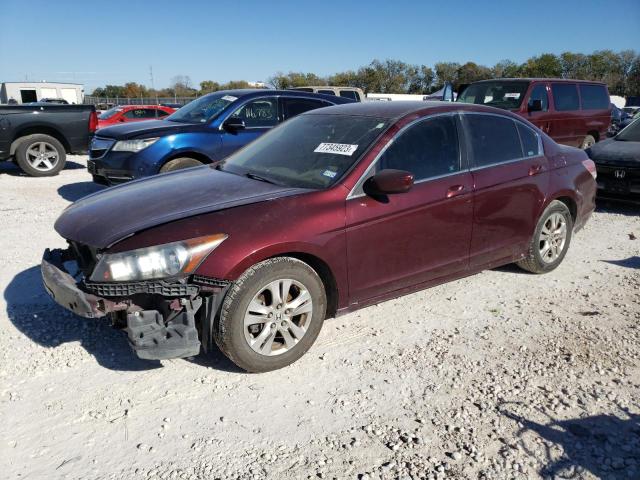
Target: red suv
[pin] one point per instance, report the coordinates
(336, 209)
(572, 112)
(133, 113)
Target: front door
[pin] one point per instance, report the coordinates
(406, 239)
(259, 116)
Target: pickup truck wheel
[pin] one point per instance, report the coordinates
(271, 315)
(550, 240)
(40, 155)
(179, 164)
(588, 141)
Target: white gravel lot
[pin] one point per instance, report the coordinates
(500, 375)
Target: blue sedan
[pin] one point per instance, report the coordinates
(205, 130)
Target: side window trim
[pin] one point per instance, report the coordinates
(472, 165)
(357, 192)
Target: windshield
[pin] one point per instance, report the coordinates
(507, 95)
(109, 113)
(203, 109)
(631, 133)
(308, 151)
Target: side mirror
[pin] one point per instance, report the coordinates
(535, 105)
(389, 181)
(233, 124)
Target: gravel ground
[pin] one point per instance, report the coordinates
(500, 375)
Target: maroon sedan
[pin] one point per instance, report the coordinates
(336, 209)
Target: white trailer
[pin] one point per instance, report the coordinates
(26, 92)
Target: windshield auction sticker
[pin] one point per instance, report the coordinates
(229, 98)
(337, 148)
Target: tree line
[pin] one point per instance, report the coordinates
(619, 70)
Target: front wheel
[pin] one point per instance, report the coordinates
(271, 315)
(179, 164)
(550, 240)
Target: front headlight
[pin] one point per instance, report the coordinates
(157, 262)
(134, 145)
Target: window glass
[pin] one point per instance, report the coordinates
(109, 113)
(565, 97)
(327, 92)
(296, 106)
(427, 149)
(262, 112)
(203, 109)
(539, 92)
(499, 93)
(594, 97)
(136, 114)
(493, 139)
(349, 94)
(161, 113)
(529, 140)
(312, 150)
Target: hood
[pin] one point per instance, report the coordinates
(104, 218)
(147, 128)
(616, 152)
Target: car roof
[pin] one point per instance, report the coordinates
(260, 92)
(537, 79)
(398, 109)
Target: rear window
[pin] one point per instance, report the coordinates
(565, 97)
(594, 97)
(327, 92)
(529, 140)
(349, 94)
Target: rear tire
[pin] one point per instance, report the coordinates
(588, 141)
(179, 164)
(259, 328)
(550, 240)
(40, 155)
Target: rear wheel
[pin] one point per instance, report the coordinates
(272, 315)
(550, 240)
(40, 155)
(588, 141)
(179, 164)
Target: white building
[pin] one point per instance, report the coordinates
(25, 92)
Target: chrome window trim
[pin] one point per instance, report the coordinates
(356, 191)
(540, 153)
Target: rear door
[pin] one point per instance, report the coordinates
(510, 175)
(410, 238)
(259, 115)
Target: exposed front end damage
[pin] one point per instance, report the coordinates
(163, 319)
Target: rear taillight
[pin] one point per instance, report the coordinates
(93, 122)
(589, 165)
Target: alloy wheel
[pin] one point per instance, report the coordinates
(42, 156)
(553, 237)
(277, 317)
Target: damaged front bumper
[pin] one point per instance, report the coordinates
(160, 316)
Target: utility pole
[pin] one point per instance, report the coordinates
(153, 87)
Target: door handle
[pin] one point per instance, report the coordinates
(534, 169)
(454, 190)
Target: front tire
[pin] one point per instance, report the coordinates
(271, 315)
(179, 164)
(40, 155)
(550, 240)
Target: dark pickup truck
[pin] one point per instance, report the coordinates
(38, 137)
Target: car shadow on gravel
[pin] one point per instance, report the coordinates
(619, 206)
(603, 445)
(631, 262)
(75, 191)
(32, 311)
(11, 168)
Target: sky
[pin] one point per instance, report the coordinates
(115, 41)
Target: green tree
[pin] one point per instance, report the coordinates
(506, 69)
(446, 72)
(546, 65)
(471, 72)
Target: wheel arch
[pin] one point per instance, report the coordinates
(186, 153)
(37, 130)
(568, 199)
